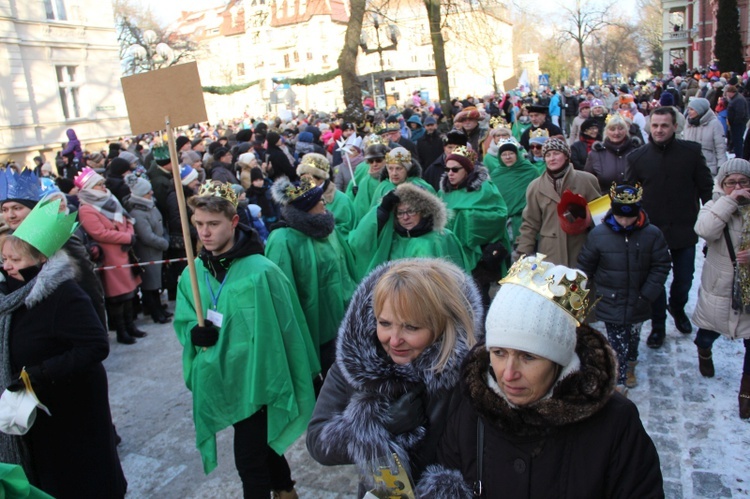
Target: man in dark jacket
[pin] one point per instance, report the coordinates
(435, 171)
(278, 159)
(430, 146)
(392, 131)
(675, 179)
(540, 119)
(736, 117)
(160, 176)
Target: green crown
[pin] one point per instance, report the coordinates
(45, 228)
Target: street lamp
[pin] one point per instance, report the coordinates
(392, 33)
(150, 51)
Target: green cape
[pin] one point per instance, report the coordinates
(512, 183)
(517, 129)
(387, 186)
(366, 186)
(264, 356)
(392, 246)
(322, 272)
(343, 213)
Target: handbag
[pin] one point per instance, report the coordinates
(133, 259)
(736, 285)
(18, 409)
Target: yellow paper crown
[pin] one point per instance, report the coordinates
(393, 126)
(316, 162)
(466, 153)
(379, 127)
(626, 197)
(539, 132)
(373, 140)
(498, 122)
(295, 191)
(554, 283)
(220, 190)
(398, 155)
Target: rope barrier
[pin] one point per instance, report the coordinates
(140, 264)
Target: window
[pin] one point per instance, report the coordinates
(414, 58)
(55, 10)
(296, 56)
(66, 80)
(309, 56)
(286, 60)
(240, 69)
(325, 59)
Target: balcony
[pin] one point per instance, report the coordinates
(676, 35)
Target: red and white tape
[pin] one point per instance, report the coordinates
(140, 264)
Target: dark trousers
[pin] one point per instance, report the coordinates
(624, 339)
(259, 467)
(705, 339)
(738, 132)
(683, 267)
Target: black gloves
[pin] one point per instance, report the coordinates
(406, 413)
(205, 336)
(389, 201)
(494, 253)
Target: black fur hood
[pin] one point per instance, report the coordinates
(472, 182)
(624, 148)
(574, 397)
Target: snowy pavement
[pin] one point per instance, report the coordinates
(703, 445)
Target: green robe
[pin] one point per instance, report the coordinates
(512, 183)
(366, 186)
(343, 213)
(478, 219)
(393, 246)
(387, 186)
(518, 128)
(264, 356)
(322, 271)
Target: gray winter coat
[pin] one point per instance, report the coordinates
(151, 241)
(348, 424)
(710, 135)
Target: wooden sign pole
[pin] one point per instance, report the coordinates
(184, 221)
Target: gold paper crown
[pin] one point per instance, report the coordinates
(466, 153)
(316, 162)
(379, 127)
(220, 190)
(544, 278)
(373, 140)
(295, 191)
(626, 197)
(392, 126)
(539, 132)
(398, 155)
(498, 122)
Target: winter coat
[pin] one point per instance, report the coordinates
(714, 309)
(582, 441)
(150, 243)
(578, 154)
(73, 452)
(540, 219)
(261, 359)
(429, 148)
(629, 268)
(366, 185)
(224, 172)
(575, 129)
(280, 163)
(478, 214)
(85, 275)
(737, 111)
(348, 423)
(161, 183)
(73, 147)
(675, 179)
(710, 135)
(608, 163)
(262, 197)
(118, 187)
(111, 237)
(319, 264)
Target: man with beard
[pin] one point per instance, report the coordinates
(539, 119)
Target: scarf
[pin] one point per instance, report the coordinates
(105, 203)
(12, 448)
(589, 141)
(147, 203)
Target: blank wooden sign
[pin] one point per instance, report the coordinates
(175, 92)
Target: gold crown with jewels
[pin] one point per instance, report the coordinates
(293, 192)
(398, 155)
(316, 161)
(498, 122)
(539, 132)
(373, 140)
(466, 152)
(220, 190)
(626, 197)
(564, 286)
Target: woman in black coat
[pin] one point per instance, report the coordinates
(409, 325)
(279, 162)
(537, 408)
(55, 334)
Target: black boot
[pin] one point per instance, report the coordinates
(116, 313)
(152, 304)
(129, 324)
(656, 338)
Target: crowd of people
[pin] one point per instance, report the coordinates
(346, 273)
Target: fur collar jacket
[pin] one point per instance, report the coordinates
(58, 269)
(374, 381)
(317, 226)
(472, 182)
(574, 397)
(427, 204)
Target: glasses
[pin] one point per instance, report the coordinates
(454, 169)
(375, 160)
(533, 146)
(405, 213)
(733, 183)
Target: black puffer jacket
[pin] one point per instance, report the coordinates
(583, 441)
(608, 162)
(675, 180)
(628, 267)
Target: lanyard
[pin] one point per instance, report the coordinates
(214, 297)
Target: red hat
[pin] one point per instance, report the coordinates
(573, 213)
(469, 113)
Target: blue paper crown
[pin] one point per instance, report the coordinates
(24, 185)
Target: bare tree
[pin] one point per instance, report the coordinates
(434, 18)
(650, 31)
(615, 50)
(583, 21)
(347, 63)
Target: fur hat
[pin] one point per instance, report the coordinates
(302, 195)
(555, 144)
(456, 137)
(427, 204)
(589, 123)
(522, 318)
(316, 165)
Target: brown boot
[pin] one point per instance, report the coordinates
(630, 379)
(705, 362)
(285, 494)
(744, 397)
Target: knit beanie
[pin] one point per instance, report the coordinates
(508, 145)
(119, 167)
(219, 152)
(700, 105)
(181, 141)
(626, 200)
(734, 165)
(315, 164)
(521, 317)
(256, 174)
(666, 99)
(272, 138)
(306, 137)
(555, 144)
(187, 174)
(254, 210)
(190, 157)
(139, 186)
(129, 157)
(584, 105)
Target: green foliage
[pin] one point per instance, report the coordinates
(229, 89)
(728, 43)
(310, 79)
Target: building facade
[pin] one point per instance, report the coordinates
(62, 71)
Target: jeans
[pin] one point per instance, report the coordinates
(260, 468)
(738, 132)
(683, 267)
(705, 339)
